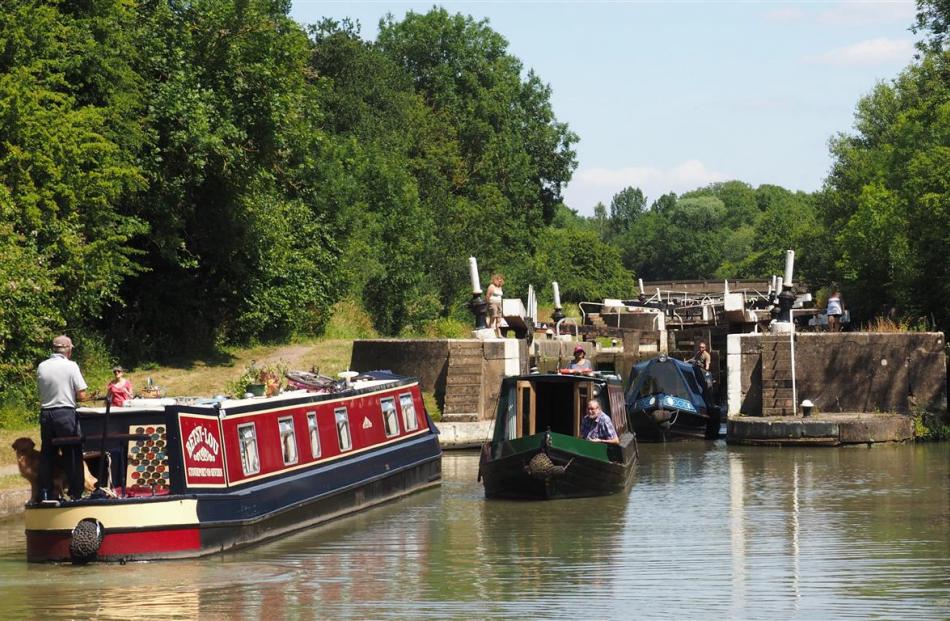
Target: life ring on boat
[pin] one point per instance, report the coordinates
(85, 541)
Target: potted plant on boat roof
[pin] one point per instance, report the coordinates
(259, 379)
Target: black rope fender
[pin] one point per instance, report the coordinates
(85, 542)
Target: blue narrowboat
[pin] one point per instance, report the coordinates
(667, 398)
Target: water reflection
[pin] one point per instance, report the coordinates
(707, 530)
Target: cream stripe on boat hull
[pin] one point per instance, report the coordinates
(167, 514)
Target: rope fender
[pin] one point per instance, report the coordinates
(86, 539)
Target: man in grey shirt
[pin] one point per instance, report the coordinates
(61, 386)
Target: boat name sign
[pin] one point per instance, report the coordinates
(204, 464)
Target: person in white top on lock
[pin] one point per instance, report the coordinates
(835, 311)
(494, 302)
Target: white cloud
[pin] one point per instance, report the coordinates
(871, 52)
(592, 185)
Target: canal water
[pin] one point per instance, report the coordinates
(708, 531)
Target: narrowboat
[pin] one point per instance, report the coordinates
(189, 479)
(668, 399)
(536, 451)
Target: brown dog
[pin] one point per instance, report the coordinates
(28, 460)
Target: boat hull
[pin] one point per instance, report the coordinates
(200, 524)
(580, 468)
(660, 425)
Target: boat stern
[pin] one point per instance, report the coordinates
(110, 529)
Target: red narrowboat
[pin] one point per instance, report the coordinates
(190, 479)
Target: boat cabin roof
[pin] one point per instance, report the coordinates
(364, 383)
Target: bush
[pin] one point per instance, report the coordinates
(349, 320)
(931, 426)
(445, 328)
(432, 406)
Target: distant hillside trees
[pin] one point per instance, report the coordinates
(724, 230)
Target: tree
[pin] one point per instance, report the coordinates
(513, 157)
(584, 267)
(68, 134)
(933, 17)
(241, 180)
(739, 199)
(665, 203)
(600, 219)
(788, 221)
(626, 206)
(887, 199)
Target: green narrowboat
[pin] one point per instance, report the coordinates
(537, 451)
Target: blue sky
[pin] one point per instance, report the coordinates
(670, 96)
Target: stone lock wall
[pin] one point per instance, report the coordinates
(463, 374)
(843, 372)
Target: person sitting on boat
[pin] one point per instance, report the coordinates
(119, 389)
(597, 426)
(580, 364)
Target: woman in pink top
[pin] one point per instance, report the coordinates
(119, 389)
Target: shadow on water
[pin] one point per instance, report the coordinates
(707, 531)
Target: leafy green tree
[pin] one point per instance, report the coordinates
(513, 157)
(406, 157)
(68, 118)
(584, 267)
(933, 18)
(241, 180)
(740, 200)
(684, 241)
(625, 207)
(886, 200)
(788, 221)
(664, 203)
(600, 219)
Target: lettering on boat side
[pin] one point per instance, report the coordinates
(202, 445)
(204, 463)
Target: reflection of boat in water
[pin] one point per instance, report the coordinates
(536, 451)
(198, 478)
(667, 398)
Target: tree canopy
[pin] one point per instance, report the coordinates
(175, 176)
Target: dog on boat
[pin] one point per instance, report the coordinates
(28, 461)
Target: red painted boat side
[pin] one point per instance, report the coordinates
(139, 543)
(263, 448)
(366, 430)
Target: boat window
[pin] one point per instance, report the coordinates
(247, 442)
(343, 429)
(511, 415)
(314, 434)
(410, 422)
(526, 411)
(288, 440)
(390, 420)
